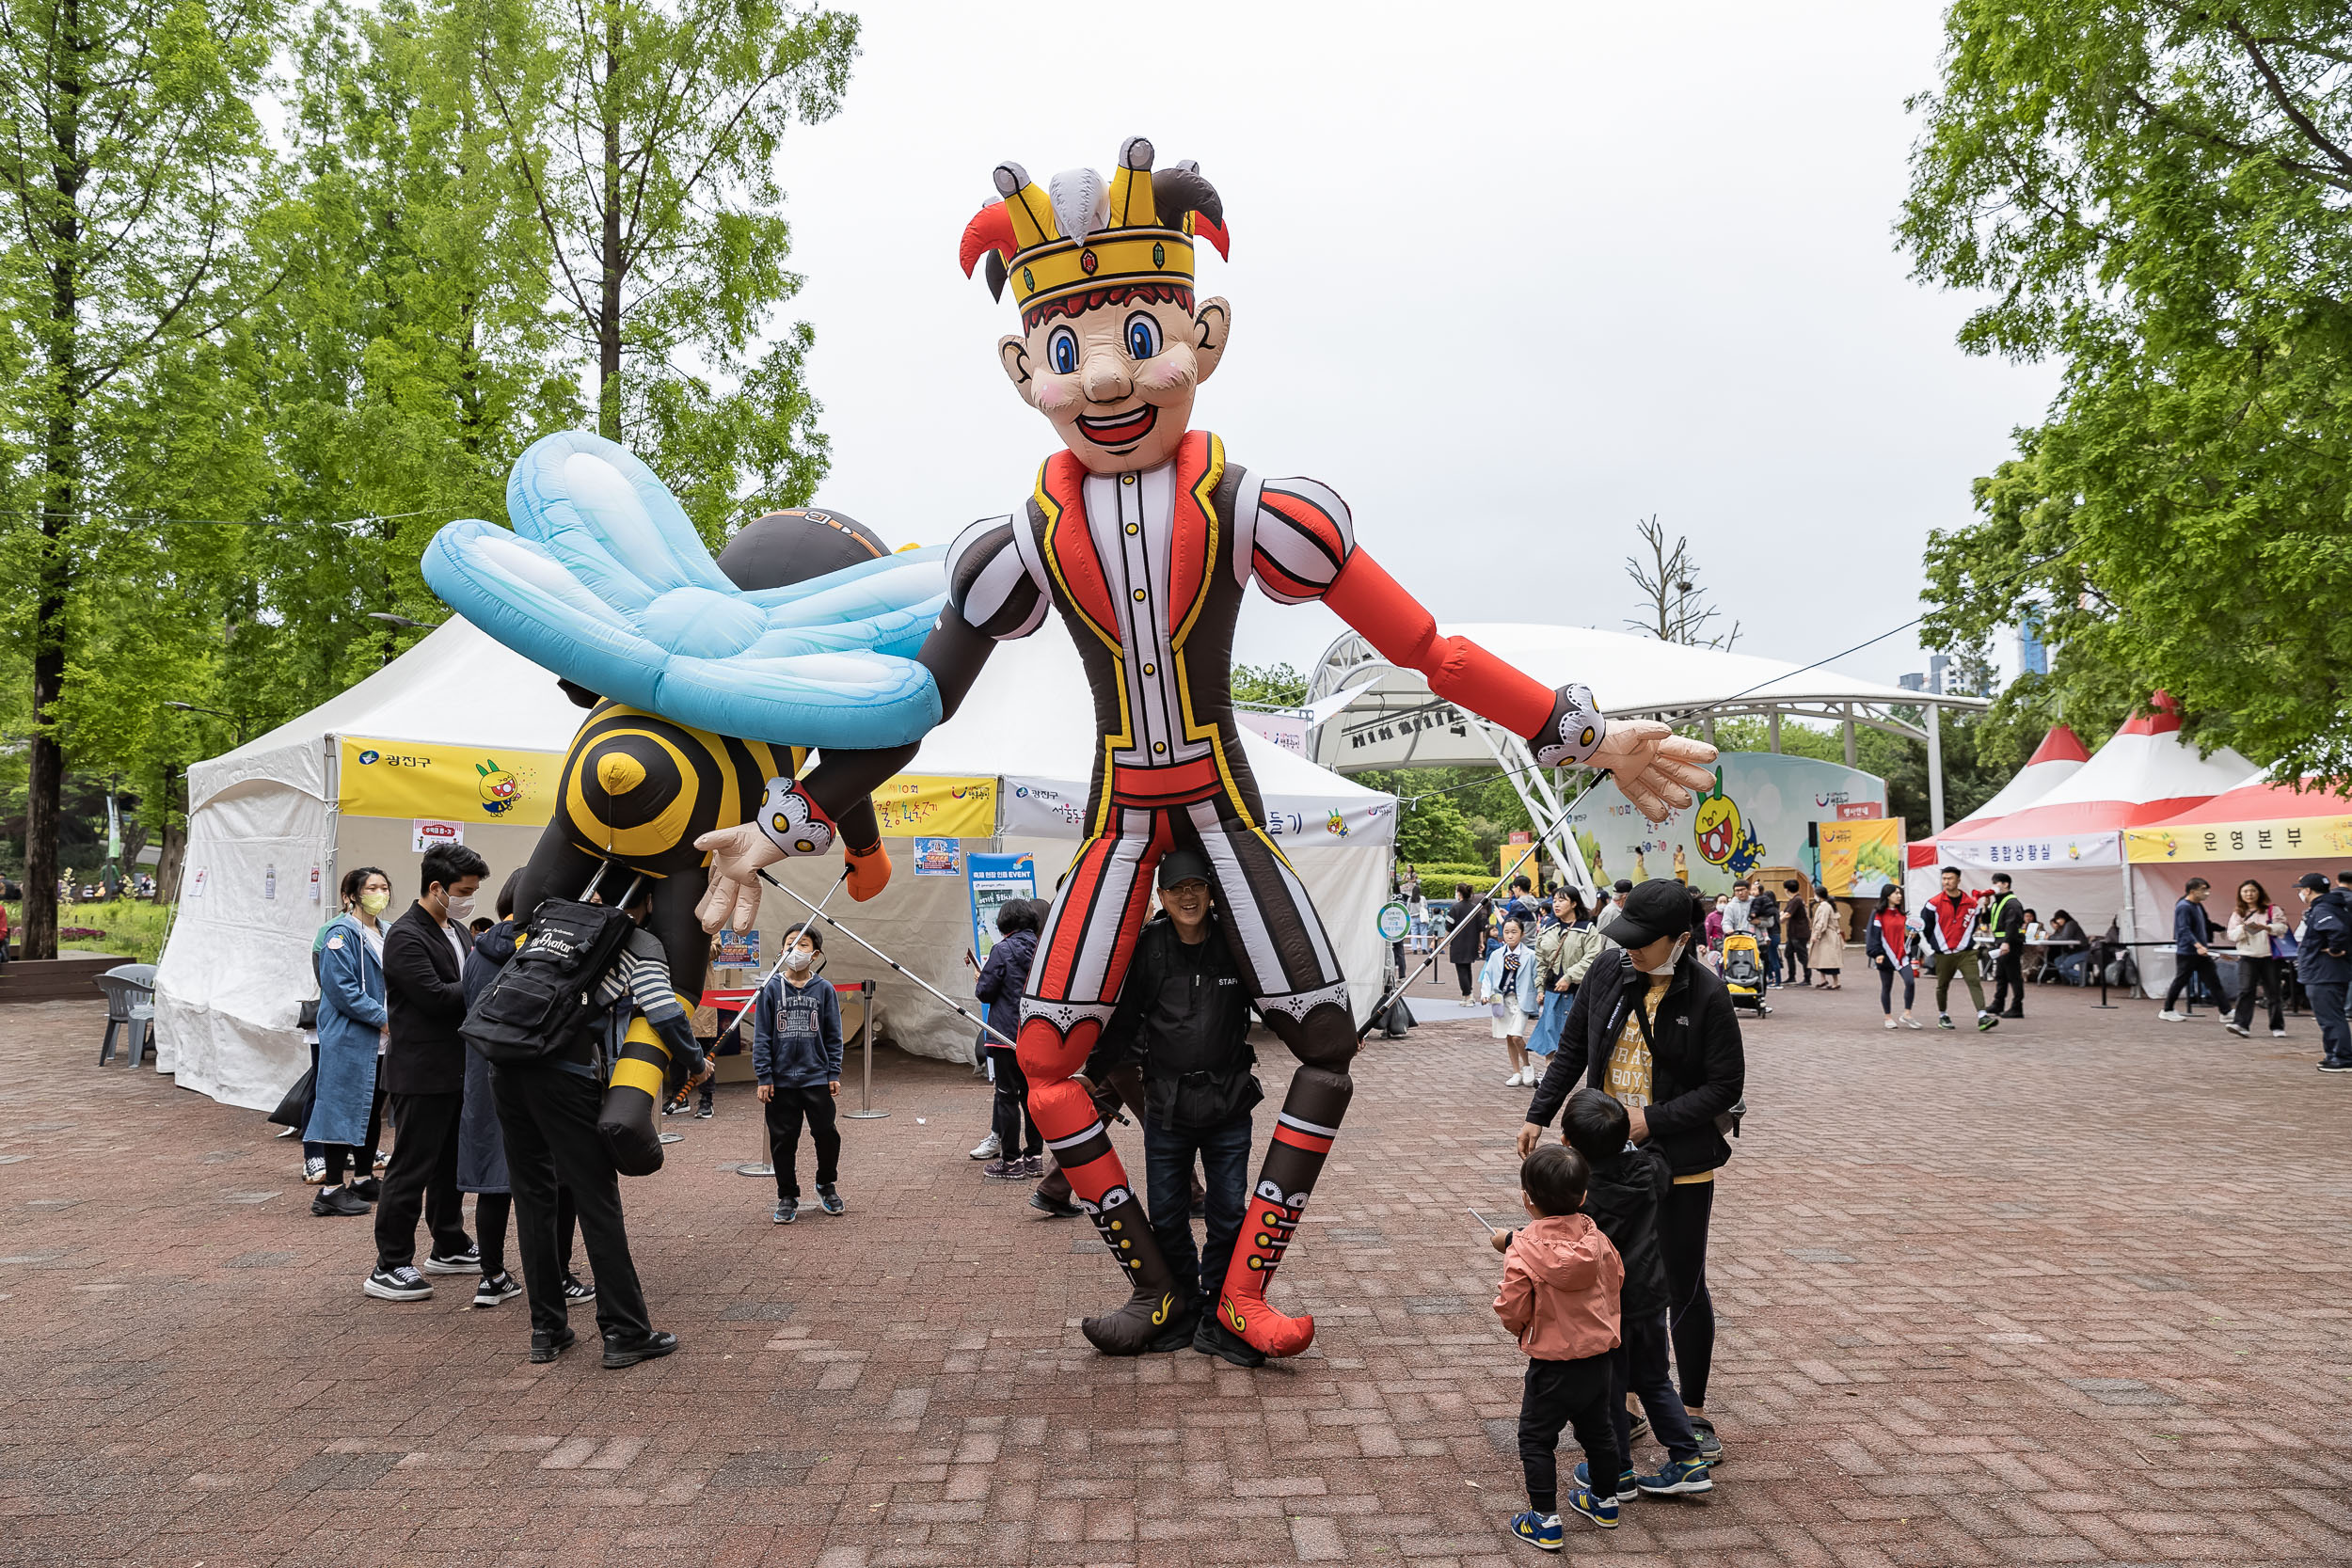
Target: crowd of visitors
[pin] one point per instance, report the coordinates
(522, 1137)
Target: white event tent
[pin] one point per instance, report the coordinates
(461, 737)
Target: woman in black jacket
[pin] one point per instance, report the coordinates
(1466, 946)
(1655, 1028)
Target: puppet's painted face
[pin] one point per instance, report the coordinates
(1118, 380)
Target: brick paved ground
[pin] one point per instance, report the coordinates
(2073, 1292)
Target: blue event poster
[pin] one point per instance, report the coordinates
(938, 857)
(996, 880)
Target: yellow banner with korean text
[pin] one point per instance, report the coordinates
(1862, 855)
(453, 784)
(459, 784)
(913, 804)
(2282, 838)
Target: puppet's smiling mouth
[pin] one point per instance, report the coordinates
(1121, 430)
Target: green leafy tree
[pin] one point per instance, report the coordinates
(130, 164)
(1269, 685)
(2158, 195)
(647, 140)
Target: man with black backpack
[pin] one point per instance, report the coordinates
(553, 1027)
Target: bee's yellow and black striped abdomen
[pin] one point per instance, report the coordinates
(639, 790)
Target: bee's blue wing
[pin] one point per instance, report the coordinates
(605, 582)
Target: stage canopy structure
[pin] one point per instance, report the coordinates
(2058, 758)
(1366, 713)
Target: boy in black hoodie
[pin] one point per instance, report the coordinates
(1622, 1196)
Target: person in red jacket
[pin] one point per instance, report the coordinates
(1948, 928)
(1887, 943)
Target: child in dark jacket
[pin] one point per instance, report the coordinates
(1622, 1193)
(1002, 980)
(796, 1054)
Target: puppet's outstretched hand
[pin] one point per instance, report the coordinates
(1655, 768)
(737, 855)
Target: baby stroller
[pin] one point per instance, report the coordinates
(1744, 973)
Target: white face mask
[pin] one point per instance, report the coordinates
(1674, 957)
(797, 959)
(458, 906)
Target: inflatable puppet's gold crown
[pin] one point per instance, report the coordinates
(1083, 235)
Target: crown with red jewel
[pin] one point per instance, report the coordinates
(1082, 234)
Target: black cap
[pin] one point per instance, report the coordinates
(1661, 908)
(2314, 880)
(1185, 865)
(1623, 884)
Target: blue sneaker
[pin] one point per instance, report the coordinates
(1676, 1478)
(1625, 1492)
(1601, 1510)
(1539, 1531)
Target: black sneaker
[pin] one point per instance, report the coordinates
(703, 1114)
(401, 1284)
(671, 1110)
(626, 1350)
(1943, 1021)
(1183, 1323)
(1988, 1021)
(1214, 1338)
(787, 1209)
(497, 1288)
(468, 1261)
(546, 1347)
(338, 1202)
(368, 1189)
(577, 1289)
(1710, 1445)
(829, 1200)
(2335, 1067)
(1062, 1210)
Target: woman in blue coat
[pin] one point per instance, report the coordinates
(347, 1110)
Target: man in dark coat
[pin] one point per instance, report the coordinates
(1654, 1027)
(424, 1078)
(1466, 945)
(2323, 962)
(1183, 1015)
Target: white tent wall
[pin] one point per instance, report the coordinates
(2157, 886)
(2092, 895)
(925, 924)
(234, 977)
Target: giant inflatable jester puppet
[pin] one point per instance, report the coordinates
(1142, 533)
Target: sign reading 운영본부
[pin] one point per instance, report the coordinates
(2286, 838)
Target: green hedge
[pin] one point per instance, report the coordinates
(1434, 873)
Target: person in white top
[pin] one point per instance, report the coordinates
(2256, 924)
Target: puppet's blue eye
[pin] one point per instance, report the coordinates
(1062, 351)
(1143, 334)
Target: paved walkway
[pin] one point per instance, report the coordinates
(2073, 1292)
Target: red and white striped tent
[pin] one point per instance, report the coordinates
(2058, 758)
(2065, 850)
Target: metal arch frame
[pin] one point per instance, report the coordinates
(1332, 678)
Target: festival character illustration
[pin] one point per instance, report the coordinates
(500, 789)
(1723, 835)
(1143, 533)
(708, 682)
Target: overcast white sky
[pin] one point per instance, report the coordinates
(1509, 279)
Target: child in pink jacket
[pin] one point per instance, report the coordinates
(1560, 1284)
